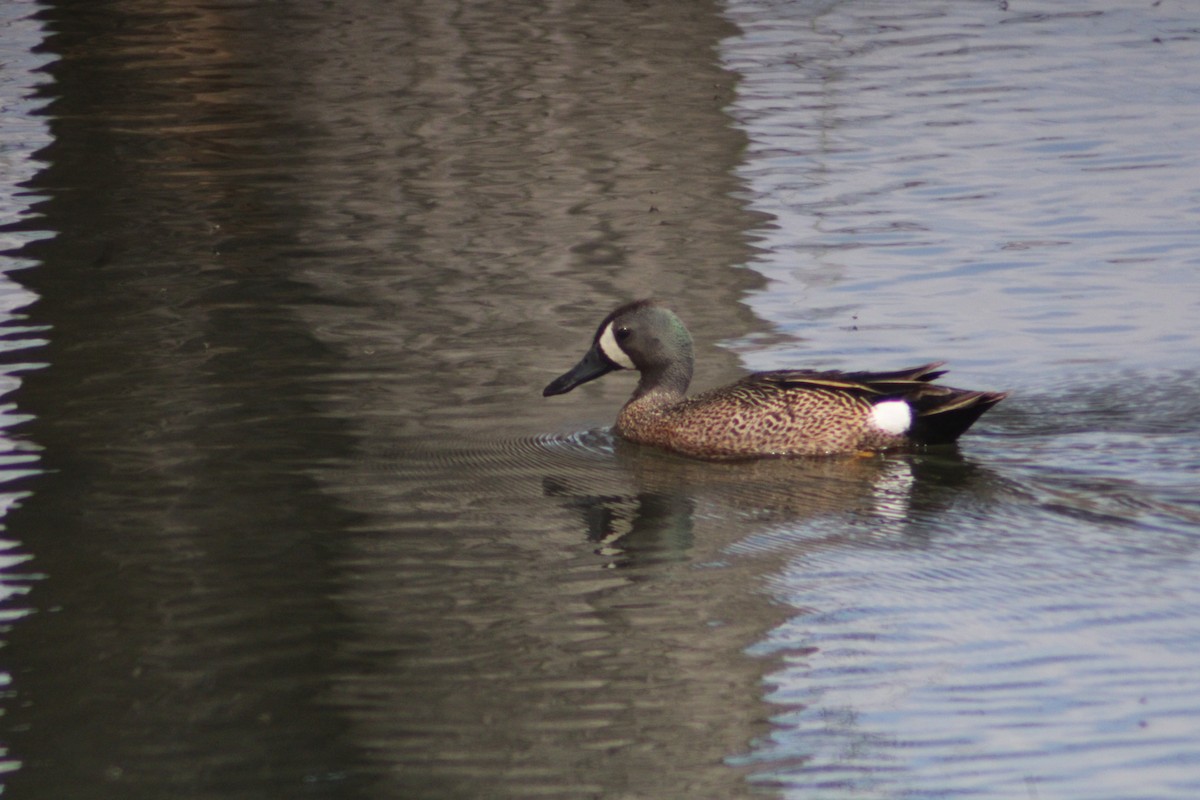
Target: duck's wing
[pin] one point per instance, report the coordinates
(901, 382)
(943, 413)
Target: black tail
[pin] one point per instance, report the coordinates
(942, 418)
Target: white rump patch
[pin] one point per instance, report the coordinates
(892, 416)
(610, 348)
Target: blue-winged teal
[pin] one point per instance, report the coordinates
(783, 413)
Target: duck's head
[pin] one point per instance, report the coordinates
(644, 335)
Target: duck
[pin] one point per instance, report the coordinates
(780, 413)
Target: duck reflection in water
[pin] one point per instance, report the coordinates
(654, 512)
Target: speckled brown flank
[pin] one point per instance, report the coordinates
(754, 417)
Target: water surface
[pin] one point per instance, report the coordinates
(285, 282)
(1013, 189)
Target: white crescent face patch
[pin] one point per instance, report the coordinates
(892, 416)
(610, 348)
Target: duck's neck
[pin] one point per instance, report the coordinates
(668, 383)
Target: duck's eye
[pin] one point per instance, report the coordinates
(623, 334)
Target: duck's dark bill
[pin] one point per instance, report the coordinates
(590, 367)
